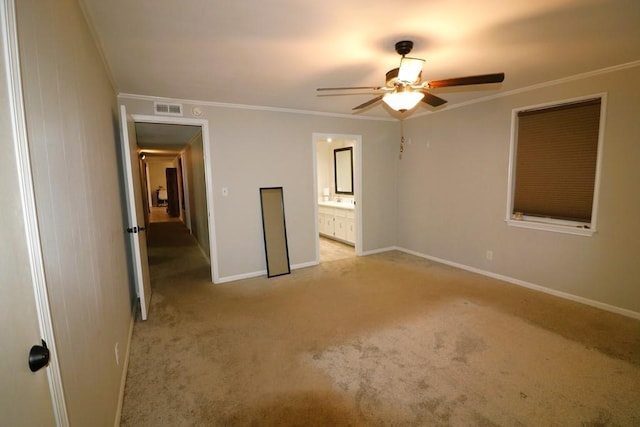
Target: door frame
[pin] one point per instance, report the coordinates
(204, 125)
(9, 36)
(357, 184)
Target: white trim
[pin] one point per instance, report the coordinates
(316, 229)
(242, 276)
(8, 25)
(529, 285)
(208, 175)
(304, 265)
(262, 273)
(148, 185)
(551, 224)
(380, 250)
(533, 223)
(250, 107)
(599, 155)
(357, 185)
(537, 86)
(125, 368)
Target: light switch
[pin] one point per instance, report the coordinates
(225, 191)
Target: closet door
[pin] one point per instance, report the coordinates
(173, 206)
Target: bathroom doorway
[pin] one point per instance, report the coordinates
(337, 160)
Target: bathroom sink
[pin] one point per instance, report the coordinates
(332, 204)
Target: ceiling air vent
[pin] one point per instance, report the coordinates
(168, 109)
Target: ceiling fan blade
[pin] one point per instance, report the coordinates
(349, 88)
(434, 101)
(369, 102)
(470, 80)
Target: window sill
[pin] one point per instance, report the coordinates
(577, 230)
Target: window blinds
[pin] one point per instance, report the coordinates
(556, 161)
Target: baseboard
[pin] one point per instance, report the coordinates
(304, 265)
(240, 276)
(125, 368)
(525, 284)
(262, 273)
(378, 251)
(204, 253)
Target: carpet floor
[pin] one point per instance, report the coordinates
(384, 340)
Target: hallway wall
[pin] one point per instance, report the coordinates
(72, 125)
(198, 193)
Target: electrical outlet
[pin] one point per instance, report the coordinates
(117, 351)
(489, 255)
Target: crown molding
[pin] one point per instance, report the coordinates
(537, 86)
(248, 107)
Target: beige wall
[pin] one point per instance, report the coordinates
(253, 148)
(24, 396)
(197, 193)
(452, 196)
(326, 172)
(71, 121)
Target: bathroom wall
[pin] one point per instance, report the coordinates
(325, 166)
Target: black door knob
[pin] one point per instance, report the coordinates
(38, 356)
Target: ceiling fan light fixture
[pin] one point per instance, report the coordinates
(403, 100)
(410, 69)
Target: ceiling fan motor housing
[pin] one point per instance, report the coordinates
(404, 47)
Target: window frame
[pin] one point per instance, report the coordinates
(553, 224)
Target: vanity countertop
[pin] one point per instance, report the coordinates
(341, 205)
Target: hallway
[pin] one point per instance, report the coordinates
(159, 214)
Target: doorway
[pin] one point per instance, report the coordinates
(337, 160)
(193, 172)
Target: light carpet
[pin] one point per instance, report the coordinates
(388, 339)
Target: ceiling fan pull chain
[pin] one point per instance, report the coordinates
(401, 138)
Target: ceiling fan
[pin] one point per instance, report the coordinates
(404, 87)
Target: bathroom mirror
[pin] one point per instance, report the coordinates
(343, 170)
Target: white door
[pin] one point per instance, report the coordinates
(135, 210)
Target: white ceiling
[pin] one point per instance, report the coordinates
(164, 139)
(275, 53)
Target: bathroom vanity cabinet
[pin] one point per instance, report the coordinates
(337, 222)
